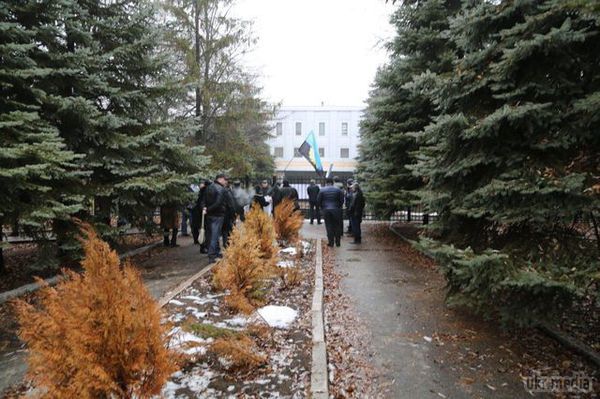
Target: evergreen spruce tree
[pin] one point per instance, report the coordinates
(512, 162)
(35, 166)
(399, 104)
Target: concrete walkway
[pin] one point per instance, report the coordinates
(420, 347)
(161, 273)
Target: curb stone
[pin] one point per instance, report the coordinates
(52, 281)
(319, 374)
(182, 286)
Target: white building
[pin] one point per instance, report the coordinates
(336, 132)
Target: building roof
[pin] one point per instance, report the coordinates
(322, 108)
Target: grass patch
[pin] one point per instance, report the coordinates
(205, 331)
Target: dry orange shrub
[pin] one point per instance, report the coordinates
(98, 334)
(241, 271)
(287, 221)
(261, 225)
(290, 276)
(240, 350)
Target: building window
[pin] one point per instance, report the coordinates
(297, 152)
(298, 128)
(344, 128)
(279, 129)
(344, 153)
(321, 128)
(321, 152)
(278, 152)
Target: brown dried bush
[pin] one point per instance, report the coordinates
(290, 276)
(261, 225)
(241, 271)
(97, 334)
(287, 221)
(240, 351)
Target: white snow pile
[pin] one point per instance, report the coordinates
(285, 263)
(289, 250)
(278, 316)
(176, 302)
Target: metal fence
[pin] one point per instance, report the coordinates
(412, 214)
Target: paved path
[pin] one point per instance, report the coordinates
(403, 307)
(161, 272)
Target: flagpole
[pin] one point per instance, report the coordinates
(288, 164)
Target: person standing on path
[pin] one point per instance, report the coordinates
(230, 214)
(169, 221)
(201, 204)
(215, 213)
(240, 198)
(355, 211)
(331, 200)
(289, 192)
(276, 194)
(348, 200)
(259, 198)
(314, 210)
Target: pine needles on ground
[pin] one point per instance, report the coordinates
(240, 351)
(287, 221)
(98, 334)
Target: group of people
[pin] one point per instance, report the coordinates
(218, 205)
(330, 201)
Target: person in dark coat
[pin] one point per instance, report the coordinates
(289, 192)
(331, 200)
(259, 198)
(215, 208)
(348, 200)
(276, 196)
(356, 210)
(314, 210)
(169, 222)
(230, 215)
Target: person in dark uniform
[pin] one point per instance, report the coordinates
(331, 200)
(348, 200)
(355, 210)
(289, 192)
(314, 210)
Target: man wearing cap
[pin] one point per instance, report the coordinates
(331, 200)
(214, 209)
(314, 209)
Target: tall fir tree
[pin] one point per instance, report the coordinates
(399, 104)
(512, 162)
(35, 166)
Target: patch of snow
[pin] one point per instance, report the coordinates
(426, 338)
(278, 316)
(285, 263)
(237, 321)
(197, 381)
(178, 338)
(176, 318)
(306, 246)
(176, 302)
(198, 300)
(289, 250)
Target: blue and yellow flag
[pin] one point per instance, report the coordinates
(310, 151)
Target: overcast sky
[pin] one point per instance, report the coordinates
(310, 51)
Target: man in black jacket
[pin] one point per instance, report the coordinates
(355, 211)
(314, 209)
(214, 208)
(291, 193)
(331, 200)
